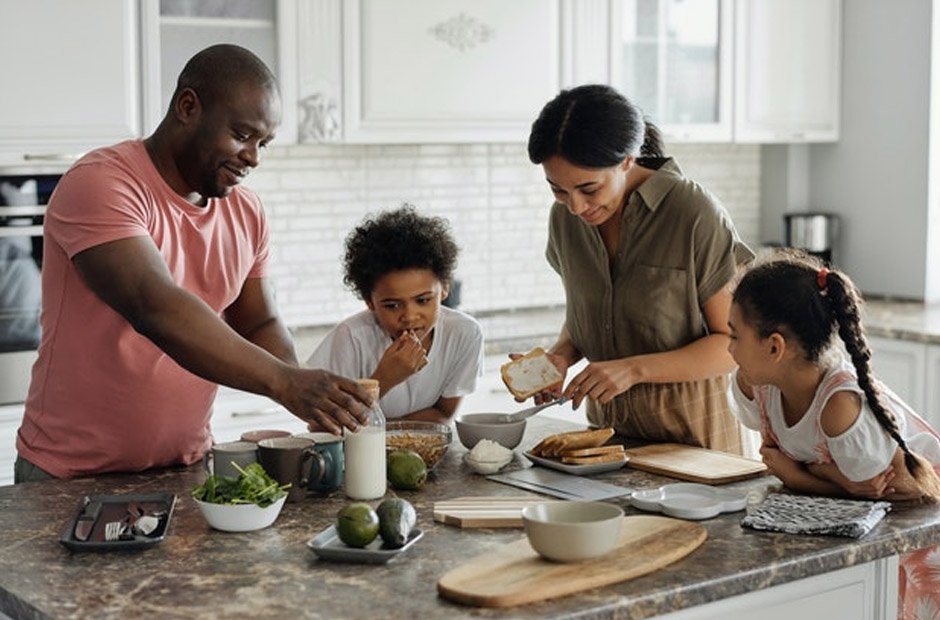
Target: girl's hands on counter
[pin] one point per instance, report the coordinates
(873, 488)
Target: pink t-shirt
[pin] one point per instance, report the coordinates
(103, 397)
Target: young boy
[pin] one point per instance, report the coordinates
(425, 356)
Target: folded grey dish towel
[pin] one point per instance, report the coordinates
(803, 514)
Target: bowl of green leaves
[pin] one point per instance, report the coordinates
(250, 502)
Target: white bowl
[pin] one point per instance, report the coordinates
(240, 517)
(568, 531)
(487, 467)
(472, 427)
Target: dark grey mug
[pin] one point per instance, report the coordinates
(327, 476)
(289, 460)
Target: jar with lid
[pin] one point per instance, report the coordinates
(365, 451)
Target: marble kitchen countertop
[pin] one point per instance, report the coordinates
(198, 572)
(903, 320)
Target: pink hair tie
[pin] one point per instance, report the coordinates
(822, 278)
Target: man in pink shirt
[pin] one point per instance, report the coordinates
(154, 289)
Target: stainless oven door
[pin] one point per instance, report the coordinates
(20, 289)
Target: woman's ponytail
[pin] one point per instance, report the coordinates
(653, 143)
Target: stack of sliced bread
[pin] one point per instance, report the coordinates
(580, 447)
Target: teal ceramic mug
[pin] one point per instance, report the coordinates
(330, 447)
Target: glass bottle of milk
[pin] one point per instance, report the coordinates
(365, 451)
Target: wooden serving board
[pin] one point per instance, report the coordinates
(693, 464)
(515, 574)
(484, 511)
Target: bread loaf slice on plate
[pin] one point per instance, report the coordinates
(532, 373)
(608, 457)
(556, 445)
(594, 451)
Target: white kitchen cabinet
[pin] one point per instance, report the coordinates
(902, 366)
(174, 30)
(787, 70)
(673, 58)
(427, 70)
(862, 592)
(912, 371)
(931, 410)
(70, 78)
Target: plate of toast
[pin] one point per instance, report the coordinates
(579, 452)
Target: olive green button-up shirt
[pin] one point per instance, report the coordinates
(677, 248)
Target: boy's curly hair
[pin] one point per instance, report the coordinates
(394, 241)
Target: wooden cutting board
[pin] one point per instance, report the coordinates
(484, 511)
(515, 574)
(693, 464)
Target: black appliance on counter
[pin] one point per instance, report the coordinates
(814, 232)
(22, 208)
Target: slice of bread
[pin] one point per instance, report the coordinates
(532, 373)
(618, 448)
(610, 457)
(556, 445)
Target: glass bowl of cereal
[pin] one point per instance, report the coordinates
(429, 439)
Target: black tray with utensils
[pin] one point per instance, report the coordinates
(113, 522)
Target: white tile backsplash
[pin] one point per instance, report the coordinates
(496, 201)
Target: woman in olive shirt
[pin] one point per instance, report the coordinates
(646, 257)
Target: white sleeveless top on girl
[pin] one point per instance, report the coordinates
(861, 452)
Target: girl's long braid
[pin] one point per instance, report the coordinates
(844, 303)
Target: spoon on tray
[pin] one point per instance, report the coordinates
(518, 416)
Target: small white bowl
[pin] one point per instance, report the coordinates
(487, 467)
(240, 517)
(569, 531)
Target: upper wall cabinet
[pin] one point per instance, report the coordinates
(788, 70)
(174, 30)
(673, 58)
(426, 70)
(70, 78)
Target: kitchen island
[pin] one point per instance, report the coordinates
(200, 572)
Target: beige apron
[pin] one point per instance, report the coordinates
(694, 413)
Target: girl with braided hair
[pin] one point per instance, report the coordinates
(828, 427)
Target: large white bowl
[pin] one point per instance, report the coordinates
(240, 517)
(472, 427)
(569, 531)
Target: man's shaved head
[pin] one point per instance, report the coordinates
(217, 69)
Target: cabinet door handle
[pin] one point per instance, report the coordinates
(258, 413)
(55, 157)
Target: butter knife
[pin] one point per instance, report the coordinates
(86, 520)
(518, 416)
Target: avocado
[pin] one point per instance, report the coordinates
(406, 470)
(397, 518)
(357, 524)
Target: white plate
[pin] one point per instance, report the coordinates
(328, 546)
(689, 500)
(578, 470)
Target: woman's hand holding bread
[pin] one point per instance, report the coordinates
(537, 373)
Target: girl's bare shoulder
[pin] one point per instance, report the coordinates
(840, 412)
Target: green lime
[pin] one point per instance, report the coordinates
(406, 470)
(357, 524)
